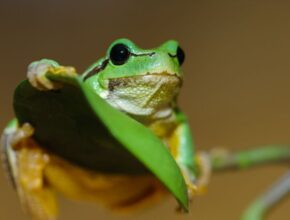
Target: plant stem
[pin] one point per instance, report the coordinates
(259, 208)
(221, 159)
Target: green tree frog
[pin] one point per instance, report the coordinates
(142, 83)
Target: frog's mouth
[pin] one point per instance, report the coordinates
(144, 94)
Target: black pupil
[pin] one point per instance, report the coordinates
(180, 55)
(119, 54)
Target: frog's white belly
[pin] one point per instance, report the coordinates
(144, 95)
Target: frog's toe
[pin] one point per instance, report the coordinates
(20, 134)
(190, 181)
(205, 170)
(36, 74)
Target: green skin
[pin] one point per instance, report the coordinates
(124, 87)
(110, 81)
(146, 87)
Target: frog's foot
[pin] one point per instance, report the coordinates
(190, 181)
(11, 139)
(192, 188)
(37, 71)
(20, 134)
(205, 170)
(36, 196)
(198, 185)
(25, 162)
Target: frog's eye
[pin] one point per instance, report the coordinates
(119, 54)
(180, 55)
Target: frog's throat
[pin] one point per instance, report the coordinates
(144, 95)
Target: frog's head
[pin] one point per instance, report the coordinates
(138, 81)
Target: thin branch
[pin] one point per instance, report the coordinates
(259, 208)
(222, 159)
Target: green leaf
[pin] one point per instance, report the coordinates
(78, 125)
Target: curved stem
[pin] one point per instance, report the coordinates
(223, 160)
(258, 209)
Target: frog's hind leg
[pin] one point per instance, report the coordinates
(259, 208)
(25, 162)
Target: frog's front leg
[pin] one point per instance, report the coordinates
(26, 162)
(38, 70)
(182, 148)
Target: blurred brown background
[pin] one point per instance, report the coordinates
(236, 90)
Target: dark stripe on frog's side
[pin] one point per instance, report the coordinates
(4, 157)
(103, 65)
(96, 70)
